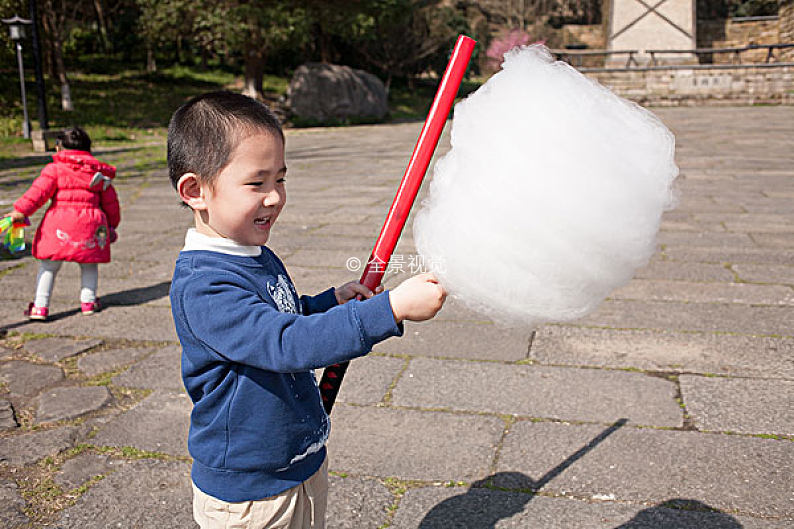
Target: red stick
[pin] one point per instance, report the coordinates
(406, 194)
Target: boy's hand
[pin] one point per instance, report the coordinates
(353, 289)
(418, 298)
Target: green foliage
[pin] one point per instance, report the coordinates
(119, 106)
(752, 8)
(405, 37)
(719, 9)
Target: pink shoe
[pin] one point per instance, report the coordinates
(37, 313)
(90, 308)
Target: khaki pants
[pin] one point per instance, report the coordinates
(301, 507)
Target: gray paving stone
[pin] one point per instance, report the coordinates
(141, 494)
(6, 353)
(742, 293)
(326, 215)
(726, 472)
(162, 370)
(760, 227)
(459, 340)
(412, 444)
(56, 349)
(287, 240)
(774, 256)
(159, 423)
(369, 229)
(765, 273)
(61, 403)
(740, 404)
(478, 508)
(546, 392)
(705, 239)
(27, 448)
(26, 379)
(326, 258)
(683, 271)
(110, 360)
(354, 503)
(665, 351)
(726, 178)
(80, 469)
(709, 317)
(12, 515)
(7, 417)
(774, 240)
(754, 219)
(368, 379)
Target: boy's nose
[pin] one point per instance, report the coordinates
(272, 198)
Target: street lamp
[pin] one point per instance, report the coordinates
(16, 26)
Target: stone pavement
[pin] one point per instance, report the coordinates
(669, 407)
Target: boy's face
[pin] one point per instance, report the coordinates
(248, 194)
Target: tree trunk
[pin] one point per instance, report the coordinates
(102, 24)
(60, 67)
(387, 84)
(151, 62)
(254, 70)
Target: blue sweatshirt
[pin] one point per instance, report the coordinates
(249, 348)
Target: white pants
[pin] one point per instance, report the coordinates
(89, 277)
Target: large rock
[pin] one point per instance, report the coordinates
(330, 92)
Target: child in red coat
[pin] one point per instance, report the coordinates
(80, 223)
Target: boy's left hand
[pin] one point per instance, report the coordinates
(353, 289)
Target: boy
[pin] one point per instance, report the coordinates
(250, 344)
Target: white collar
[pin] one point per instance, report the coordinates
(198, 241)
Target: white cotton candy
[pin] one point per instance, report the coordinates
(551, 196)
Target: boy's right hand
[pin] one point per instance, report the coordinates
(418, 298)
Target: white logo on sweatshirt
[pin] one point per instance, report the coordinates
(284, 295)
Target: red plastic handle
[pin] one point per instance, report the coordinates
(406, 194)
(417, 166)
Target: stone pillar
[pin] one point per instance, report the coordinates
(652, 25)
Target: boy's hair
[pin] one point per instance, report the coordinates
(74, 138)
(204, 132)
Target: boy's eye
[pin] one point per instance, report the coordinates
(281, 180)
(255, 184)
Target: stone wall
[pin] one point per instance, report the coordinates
(699, 86)
(786, 25)
(590, 35)
(730, 33)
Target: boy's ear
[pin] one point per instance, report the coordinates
(190, 191)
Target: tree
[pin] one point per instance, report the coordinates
(251, 28)
(55, 15)
(164, 21)
(403, 37)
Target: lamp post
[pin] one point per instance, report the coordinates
(16, 26)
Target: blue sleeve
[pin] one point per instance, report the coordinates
(319, 303)
(240, 327)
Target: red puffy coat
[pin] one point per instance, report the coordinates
(81, 221)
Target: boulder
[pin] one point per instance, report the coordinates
(330, 93)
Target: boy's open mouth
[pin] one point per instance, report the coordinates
(262, 221)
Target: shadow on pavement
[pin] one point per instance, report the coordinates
(124, 298)
(680, 513)
(137, 296)
(477, 509)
